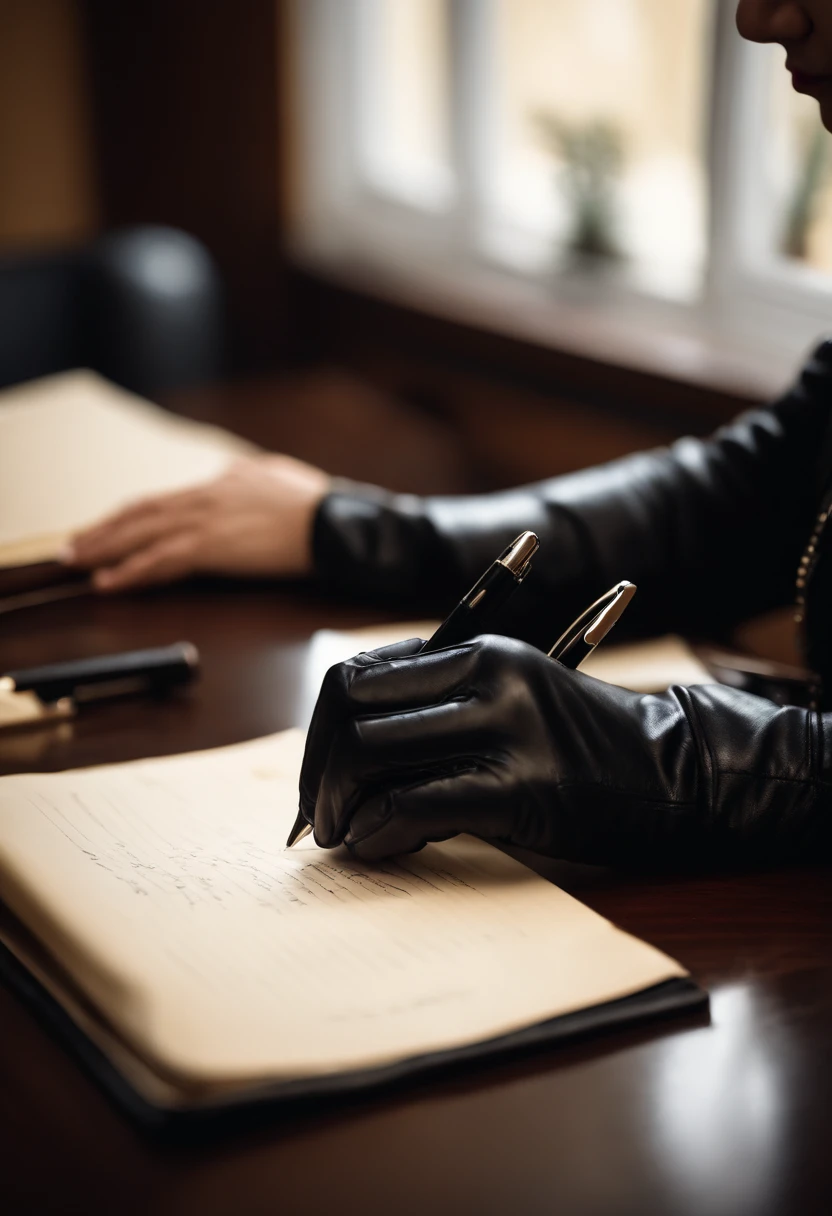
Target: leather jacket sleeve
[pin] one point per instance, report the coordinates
(710, 530)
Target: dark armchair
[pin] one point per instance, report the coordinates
(142, 306)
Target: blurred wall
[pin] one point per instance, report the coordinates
(48, 192)
(121, 112)
(187, 130)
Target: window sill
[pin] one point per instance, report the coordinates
(588, 316)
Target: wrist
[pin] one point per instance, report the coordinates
(298, 490)
(300, 558)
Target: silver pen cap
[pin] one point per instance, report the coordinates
(518, 555)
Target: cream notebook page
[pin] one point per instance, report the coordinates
(74, 447)
(164, 888)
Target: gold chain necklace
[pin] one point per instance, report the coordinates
(804, 573)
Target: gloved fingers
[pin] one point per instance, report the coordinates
(332, 708)
(411, 682)
(403, 820)
(371, 753)
(394, 679)
(401, 741)
(394, 650)
(385, 681)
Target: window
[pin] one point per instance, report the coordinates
(406, 147)
(615, 81)
(637, 147)
(800, 181)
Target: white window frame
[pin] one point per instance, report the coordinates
(768, 307)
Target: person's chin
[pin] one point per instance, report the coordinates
(819, 87)
(826, 113)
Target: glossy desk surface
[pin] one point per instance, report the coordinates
(727, 1117)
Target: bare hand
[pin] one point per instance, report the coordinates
(255, 519)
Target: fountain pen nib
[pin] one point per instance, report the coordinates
(300, 830)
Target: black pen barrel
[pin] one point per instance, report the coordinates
(478, 611)
(154, 670)
(575, 654)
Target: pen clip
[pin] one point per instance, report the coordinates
(584, 621)
(598, 619)
(608, 616)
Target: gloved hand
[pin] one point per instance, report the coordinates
(494, 738)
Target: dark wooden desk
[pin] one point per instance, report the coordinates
(726, 1119)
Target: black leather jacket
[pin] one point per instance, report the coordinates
(712, 531)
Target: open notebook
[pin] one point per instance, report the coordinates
(74, 447)
(194, 964)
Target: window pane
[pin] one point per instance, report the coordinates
(800, 173)
(601, 109)
(407, 148)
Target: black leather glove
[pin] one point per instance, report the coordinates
(494, 738)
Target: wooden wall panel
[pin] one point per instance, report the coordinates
(47, 183)
(188, 133)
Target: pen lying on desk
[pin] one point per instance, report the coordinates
(42, 693)
(154, 670)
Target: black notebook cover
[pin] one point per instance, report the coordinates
(672, 997)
